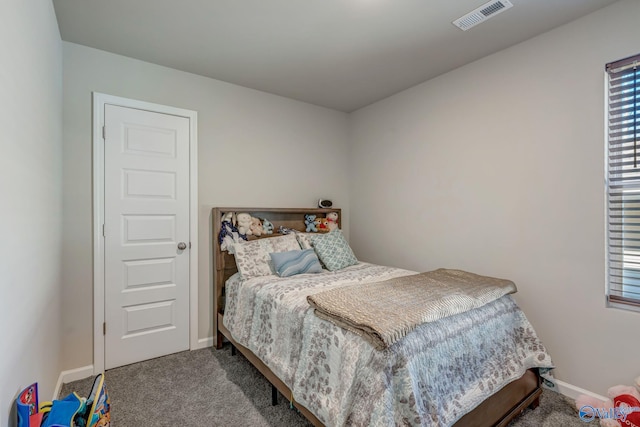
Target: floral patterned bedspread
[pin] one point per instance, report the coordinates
(432, 377)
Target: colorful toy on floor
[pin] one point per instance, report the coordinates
(63, 412)
(27, 406)
(71, 411)
(100, 404)
(622, 408)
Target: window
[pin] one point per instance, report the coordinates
(623, 182)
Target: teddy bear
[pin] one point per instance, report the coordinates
(243, 222)
(623, 404)
(256, 226)
(332, 221)
(310, 222)
(322, 224)
(267, 226)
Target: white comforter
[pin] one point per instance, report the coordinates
(435, 375)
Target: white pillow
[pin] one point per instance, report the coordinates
(253, 259)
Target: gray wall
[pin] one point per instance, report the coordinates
(498, 168)
(254, 149)
(31, 194)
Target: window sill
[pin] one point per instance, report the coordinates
(623, 303)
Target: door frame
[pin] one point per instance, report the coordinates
(99, 101)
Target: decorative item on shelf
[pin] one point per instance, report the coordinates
(228, 231)
(332, 221)
(267, 226)
(256, 226)
(285, 230)
(325, 204)
(310, 222)
(243, 222)
(322, 224)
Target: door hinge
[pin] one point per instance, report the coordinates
(104, 133)
(104, 233)
(104, 328)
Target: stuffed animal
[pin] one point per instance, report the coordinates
(256, 226)
(229, 233)
(332, 221)
(622, 405)
(267, 226)
(286, 230)
(322, 224)
(310, 222)
(243, 222)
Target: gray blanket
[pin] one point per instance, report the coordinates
(384, 312)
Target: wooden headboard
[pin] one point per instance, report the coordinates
(224, 264)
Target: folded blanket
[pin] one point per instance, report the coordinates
(384, 312)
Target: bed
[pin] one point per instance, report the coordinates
(335, 377)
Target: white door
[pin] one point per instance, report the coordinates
(146, 187)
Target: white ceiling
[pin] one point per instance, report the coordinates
(341, 54)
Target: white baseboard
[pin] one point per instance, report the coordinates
(204, 343)
(573, 391)
(564, 388)
(87, 371)
(72, 375)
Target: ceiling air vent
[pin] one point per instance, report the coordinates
(481, 14)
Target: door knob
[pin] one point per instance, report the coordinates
(182, 246)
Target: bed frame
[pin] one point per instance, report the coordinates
(497, 410)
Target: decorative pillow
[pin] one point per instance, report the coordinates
(288, 242)
(296, 262)
(333, 250)
(252, 258)
(303, 239)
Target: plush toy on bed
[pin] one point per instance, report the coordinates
(621, 408)
(332, 221)
(322, 224)
(243, 222)
(310, 222)
(267, 226)
(256, 226)
(229, 233)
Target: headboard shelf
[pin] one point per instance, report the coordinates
(224, 265)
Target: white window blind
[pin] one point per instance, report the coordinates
(623, 181)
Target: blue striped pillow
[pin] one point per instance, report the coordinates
(296, 262)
